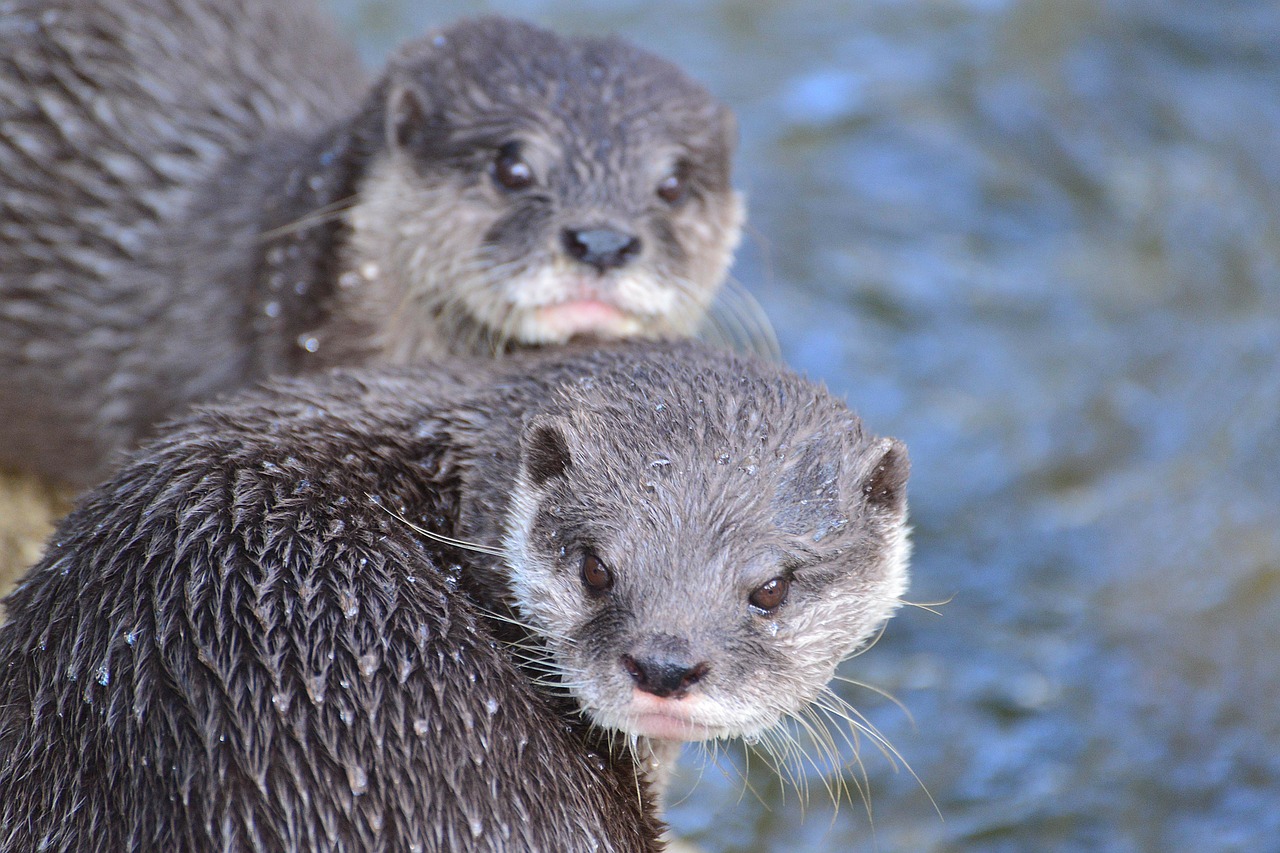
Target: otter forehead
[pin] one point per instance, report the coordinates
(744, 469)
(594, 98)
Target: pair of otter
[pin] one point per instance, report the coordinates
(679, 544)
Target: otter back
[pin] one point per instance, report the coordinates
(230, 647)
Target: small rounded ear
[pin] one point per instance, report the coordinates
(885, 484)
(408, 117)
(544, 449)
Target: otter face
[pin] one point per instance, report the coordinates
(703, 582)
(535, 189)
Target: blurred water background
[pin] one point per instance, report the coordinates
(1039, 240)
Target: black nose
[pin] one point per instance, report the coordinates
(663, 676)
(602, 248)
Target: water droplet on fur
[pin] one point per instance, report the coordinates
(722, 459)
(271, 309)
(131, 637)
(310, 343)
(491, 705)
(357, 779)
(368, 665)
(300, 287)
(350, 279)
(316, 182)
(275, 256)
(660, 462)
(281, 702)
(439, 41)
(71, 673)
(660, 407)
(346, 716)
(421, 727)
(477, 827)
(103, 675)
(370, 270)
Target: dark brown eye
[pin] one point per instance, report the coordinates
(510, 170)
(674, 187)
(770, 595)
(595, 574)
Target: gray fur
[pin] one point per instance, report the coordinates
(201, 594)
(195, 195)
(229, 647)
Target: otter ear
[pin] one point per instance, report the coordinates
(544, 449)
(885, 483)
(408, 115)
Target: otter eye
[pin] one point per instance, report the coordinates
(510, 170)
(595, 574)
(770, 595)
(674, 187)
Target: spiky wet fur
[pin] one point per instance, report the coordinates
(201, 626)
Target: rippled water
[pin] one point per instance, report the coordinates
(1040, 241)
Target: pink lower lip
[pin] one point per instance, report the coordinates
(666, 727)
(581, 315)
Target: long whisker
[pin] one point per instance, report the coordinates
(737, 319)
(311, 219)
(438, 537)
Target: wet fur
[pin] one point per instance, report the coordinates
(229, 647)
(198, 194)
(201, 593)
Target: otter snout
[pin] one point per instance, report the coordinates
(664, 667)
(602, 248)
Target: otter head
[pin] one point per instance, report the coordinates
(699, 560)
(533, 189)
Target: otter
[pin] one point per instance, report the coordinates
(275, 626)
(195, 194)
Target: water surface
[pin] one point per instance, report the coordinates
(1039, 240)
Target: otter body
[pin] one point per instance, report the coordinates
(195, 194)
(228, 647)
(252, 636)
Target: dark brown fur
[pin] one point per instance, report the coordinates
(194, 194)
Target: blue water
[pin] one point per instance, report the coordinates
(1039, 240)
